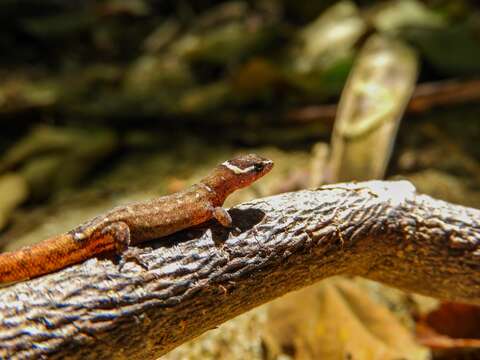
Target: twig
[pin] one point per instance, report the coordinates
(425, 97)
(202, 277)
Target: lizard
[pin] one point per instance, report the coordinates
(137, 222)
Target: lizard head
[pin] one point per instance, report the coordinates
(245, 169)
(235, 174)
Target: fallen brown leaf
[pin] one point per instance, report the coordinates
(337, 320)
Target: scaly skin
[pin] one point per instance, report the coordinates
(137, 222)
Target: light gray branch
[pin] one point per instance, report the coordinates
(202, 277)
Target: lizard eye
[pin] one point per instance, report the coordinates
(258, 167)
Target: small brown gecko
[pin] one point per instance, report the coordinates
(137, 222)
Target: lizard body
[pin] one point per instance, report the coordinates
(137, 222)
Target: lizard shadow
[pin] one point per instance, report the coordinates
(242, 221)
(193, 237)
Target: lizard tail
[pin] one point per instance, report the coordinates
(48, 256)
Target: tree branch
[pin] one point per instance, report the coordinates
(202, 277)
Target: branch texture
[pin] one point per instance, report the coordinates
(197, 279)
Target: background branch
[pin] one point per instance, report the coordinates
(202, 277)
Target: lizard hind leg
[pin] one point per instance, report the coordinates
(120, 232)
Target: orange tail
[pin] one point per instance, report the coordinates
(48, 256)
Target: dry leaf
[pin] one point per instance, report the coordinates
(337, 320)
(452, 330)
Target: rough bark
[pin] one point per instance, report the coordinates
(200, 278)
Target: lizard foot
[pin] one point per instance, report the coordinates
(132, 254)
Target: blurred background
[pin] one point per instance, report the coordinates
(105, 102)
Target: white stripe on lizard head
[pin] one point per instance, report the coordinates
(236, 169)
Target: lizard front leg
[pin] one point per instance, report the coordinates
(222, 216)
